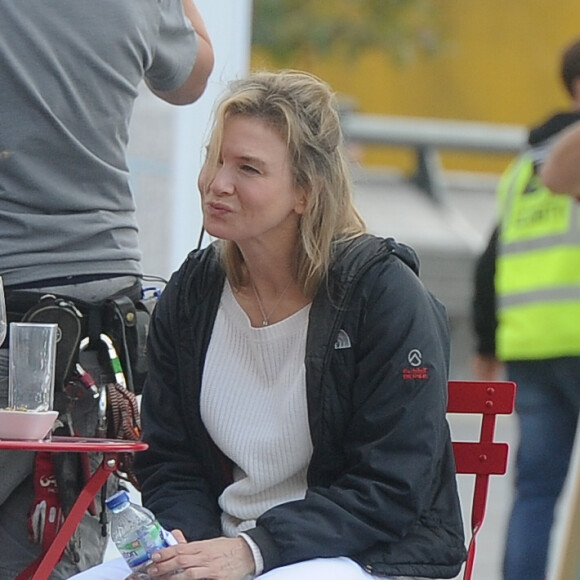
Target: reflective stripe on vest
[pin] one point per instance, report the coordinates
(538, 269)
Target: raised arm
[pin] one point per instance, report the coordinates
(561, 171)
(195, 84)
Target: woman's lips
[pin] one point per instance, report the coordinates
(217, 208)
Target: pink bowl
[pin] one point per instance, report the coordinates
(26, 425)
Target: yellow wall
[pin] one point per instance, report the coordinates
(500, 64)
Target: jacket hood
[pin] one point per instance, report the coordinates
(352, 254)
(404, 253)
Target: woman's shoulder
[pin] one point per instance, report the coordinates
(200, 270)
(206, 259)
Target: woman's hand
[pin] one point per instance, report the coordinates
(216, 559)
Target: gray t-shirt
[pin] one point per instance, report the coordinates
(69, 75)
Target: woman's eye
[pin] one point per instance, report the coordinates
(249, 169)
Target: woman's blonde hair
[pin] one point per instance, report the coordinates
(302, 109)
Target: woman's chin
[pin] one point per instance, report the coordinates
(217, 232)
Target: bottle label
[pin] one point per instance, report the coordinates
(137, 550)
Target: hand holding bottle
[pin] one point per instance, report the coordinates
(215, 559)
(136, 533)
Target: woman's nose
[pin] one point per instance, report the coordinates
(222, 183)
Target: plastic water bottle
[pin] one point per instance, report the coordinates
(136, 532)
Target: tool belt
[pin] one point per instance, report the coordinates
(123, 317)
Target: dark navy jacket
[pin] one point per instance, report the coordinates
(381, 481)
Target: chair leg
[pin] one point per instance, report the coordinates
(468, 570)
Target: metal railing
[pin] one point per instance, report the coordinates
(427, 136)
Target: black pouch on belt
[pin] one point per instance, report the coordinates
(51, 309)
(127, 323)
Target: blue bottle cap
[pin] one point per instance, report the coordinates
(117, 499)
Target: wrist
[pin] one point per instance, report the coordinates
(256, 555)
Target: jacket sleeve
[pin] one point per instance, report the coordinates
(393, 475)
(173, 483)
(484, 301)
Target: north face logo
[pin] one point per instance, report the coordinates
(342, 340)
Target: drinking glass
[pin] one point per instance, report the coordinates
(3, 318)
(31, 361)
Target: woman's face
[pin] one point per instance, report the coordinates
(251, 195)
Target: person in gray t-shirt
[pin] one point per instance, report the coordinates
(69, 76)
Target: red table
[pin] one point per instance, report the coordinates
(111, 450)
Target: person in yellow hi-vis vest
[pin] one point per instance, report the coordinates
(526, 314)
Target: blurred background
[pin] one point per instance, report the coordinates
(485, 71)
(437, 97)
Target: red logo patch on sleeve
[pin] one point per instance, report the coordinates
(415, 373)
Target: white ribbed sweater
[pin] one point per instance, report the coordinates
(253, 404)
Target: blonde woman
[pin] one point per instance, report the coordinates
(295, 405)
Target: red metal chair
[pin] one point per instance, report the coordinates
(484, 457)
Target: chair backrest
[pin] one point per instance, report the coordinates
(484, 457)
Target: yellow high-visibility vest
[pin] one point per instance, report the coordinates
(537, 278)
